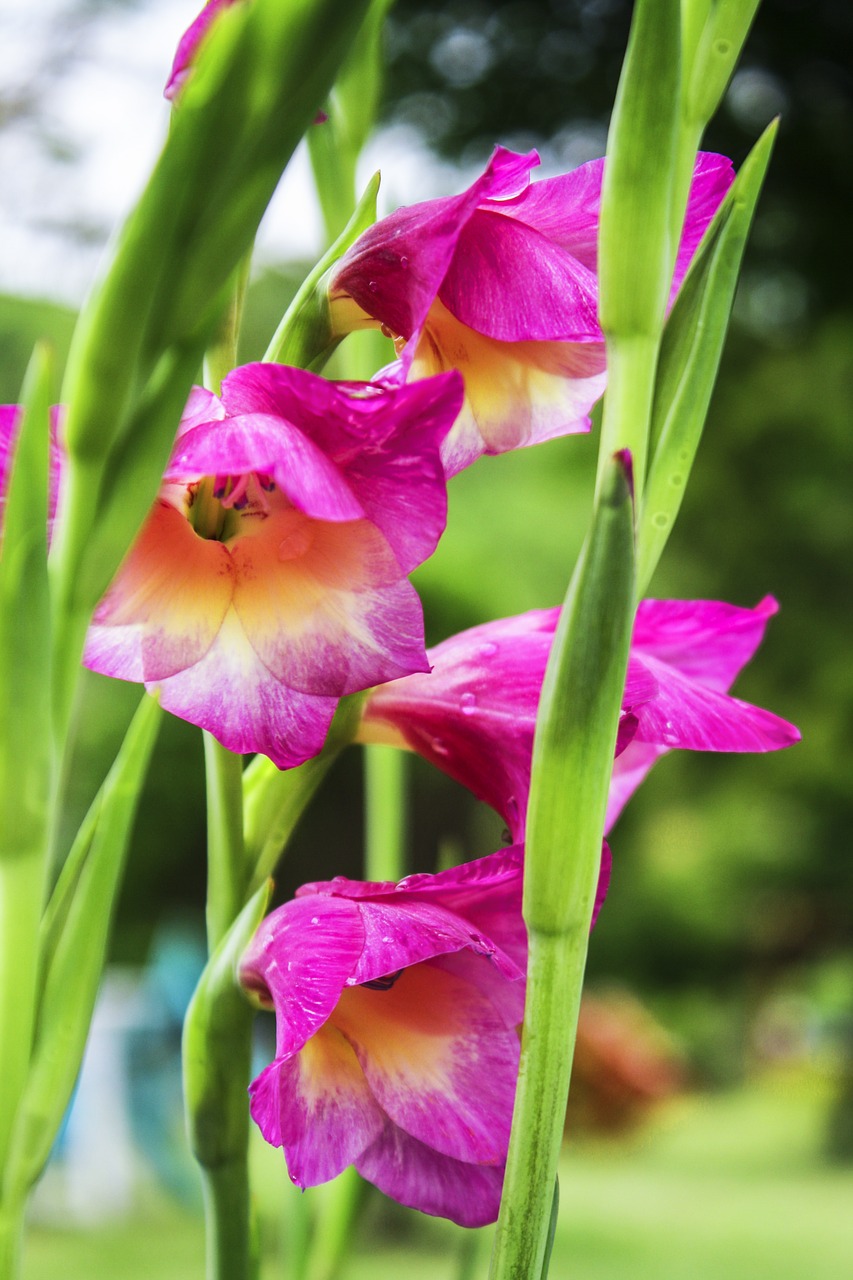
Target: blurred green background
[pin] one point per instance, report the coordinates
(729, 915)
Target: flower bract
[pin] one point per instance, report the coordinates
(270, 578)
(500, 283)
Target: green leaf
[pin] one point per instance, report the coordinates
(74, 942)
(710, 61)
(572, 764)
(637, 237)
(25, 622)
(690, 356)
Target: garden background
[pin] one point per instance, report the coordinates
(723, 961)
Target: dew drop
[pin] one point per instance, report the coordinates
(440, 747)
(372, 286)
(295, 544)
(488, 650)
(404, 262)
(468, 703)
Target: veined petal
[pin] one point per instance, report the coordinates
(299, 960)
(265, 443)
(685, 713)
(439, 1060)
(324, 605)
(508, 281)
(232, 694)
(565, 209)
(705, 639)
(413, 1174)
(317, 1105)
(166, 605)
(394, 270)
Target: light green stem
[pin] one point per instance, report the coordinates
(22, 882)
(11, 1238)
(385, 812)
(228, 1219)
(226, 862)
(631, 364)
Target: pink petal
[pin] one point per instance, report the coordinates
(705, 639)
(516, 394)
(188, 44)
(318, 1107)
(325, 606)
(233, 695)
(300, 959)
(415, 1175)
(383, 440)
(629, 770)
(565, 209)
(687, 714)
(508, 281)
(712, 177)
(394, 270)
(166, 604)
(439, 1060)
(264, 443)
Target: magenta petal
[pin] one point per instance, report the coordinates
(300, 959)
(188, 44)
(629, 770)
(415, 1175)
(268, 444)
(565, 210)
(317, 1105)
(712, 177)
(687, 714)
(439, 1059)
(394, 270)
(509, 282)
(233, 695)
(705, 639)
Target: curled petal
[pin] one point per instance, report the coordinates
(438, 1058)
(415, 1175)
(318, 1107)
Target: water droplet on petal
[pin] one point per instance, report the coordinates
(468, 703)
(440, 747)
(404, 262)
(372, 286)
(296, 544)
(488, 650)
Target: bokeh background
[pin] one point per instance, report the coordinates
(713, 1118)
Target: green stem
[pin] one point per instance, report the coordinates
(385, 812)
(228, 1220)
(11, 1239)
(631, 362)
(226, 863)
(22, 884)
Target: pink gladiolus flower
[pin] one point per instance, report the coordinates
(270, 577)
(499, 282)
(397, 1009)
(474, 715)
(188, 45)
